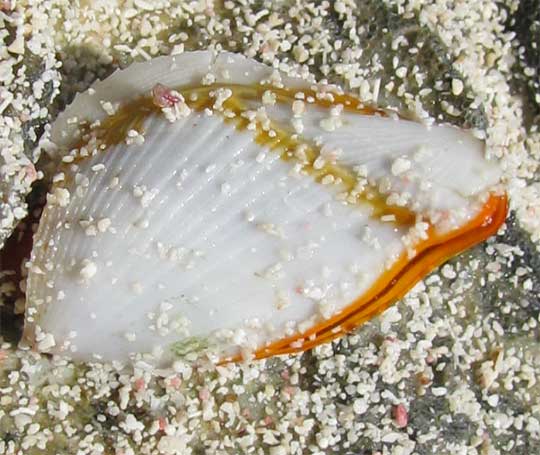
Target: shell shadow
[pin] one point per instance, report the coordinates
(90, 65)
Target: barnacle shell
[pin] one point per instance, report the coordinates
(249, 212)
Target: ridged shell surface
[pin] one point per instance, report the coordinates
(196, 233)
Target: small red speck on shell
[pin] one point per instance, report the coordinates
(30, 172)
(139, 384)
(162, 423)
(163, 96)
(175, 382)
(400, 416)
(3, 355)
(289, 391)
(204, 394)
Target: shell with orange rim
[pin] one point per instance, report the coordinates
(207, 201)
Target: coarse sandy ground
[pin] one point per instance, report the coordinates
(452, 369)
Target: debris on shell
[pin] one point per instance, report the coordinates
(349, 202)
(165, 97)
